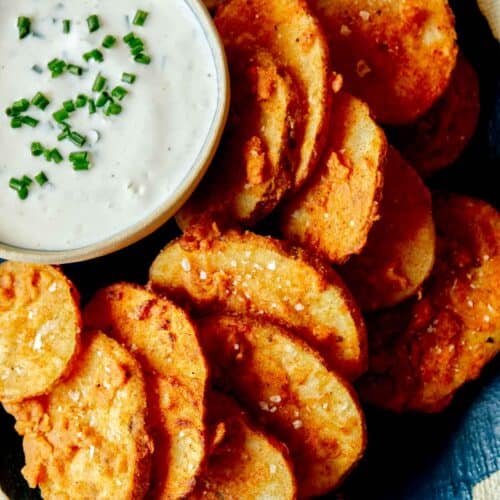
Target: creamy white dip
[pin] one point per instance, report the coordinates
(140, 157)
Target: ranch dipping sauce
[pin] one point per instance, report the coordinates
(138, 157)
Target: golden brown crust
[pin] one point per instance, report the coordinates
(164, 340)
(294, 36)
(245, 463)
(397, 56)
(251, 274)
(425, 349)
(399, 253)
(335, 210)
(251, 172)
(287, 387)
(88, 437)
(438, 138)
(40, 328)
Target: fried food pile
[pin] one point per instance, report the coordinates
(233, 373)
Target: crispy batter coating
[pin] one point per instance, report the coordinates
(252, 171)
(397, 55)
(425, 349)
(88, 438)
(164, 340)
(287, 387)
(294, 36)
(246, 463)
(399, 254)
(39, 329)
(438, 138)
(250, 274)
(335, 210)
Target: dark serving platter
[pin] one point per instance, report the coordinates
(410, 456)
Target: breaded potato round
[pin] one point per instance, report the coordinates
(250, 274)
(397, 55)
(400, 250)
(287, 387)
(294, 36)
(164, 340)
(438, 138)
(425, 349)
(335, 210)
(40, 328)
(88, 437)
(246, 463)
(251, 172)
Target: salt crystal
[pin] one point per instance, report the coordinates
(362, 69)
(297, 424)
(345, 30)
(186, 265)
(264, 406)
(272, 468)
(275, 399)
(53, 287)
(233, 263)
(272, 266)
(365, 15)
(299, 307)
(203, 275)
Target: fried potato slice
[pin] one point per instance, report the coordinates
(287, 387)
(397, 55)
(438, 138)
(39, 329)
(425, 349)
(289, 31)
(250, 274)
(246, 463)
(164, 340)
(88, 437)
(335, 210)
(400, 250)
(251, 172)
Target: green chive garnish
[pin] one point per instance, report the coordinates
(119, 92)
(95, 54)
(41, 178)
(128, 78)
(140, 17)
(93, 23)
(40, 101)
(142, 59)
(109, 41)
(74, 69)
(60, 115)
(69, 106)
(78, 156)
(23, 193)
(113, 108)
(36, 149)
(57, 67)
(20, 106)
(102, 99)
(81, 101)
(128, 38)
(81, 165)
(66, 26)
(27, 181)
(16, 122)
(99, 83)
(15, 184)
(77, 139)
(30, 121)
(56, 156)
(24, 26)
(64, 134)
(92, 107)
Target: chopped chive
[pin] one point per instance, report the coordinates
(140, 17)
(16, 122)
(21, 106)
(95, 54)
(99, 83)
(93, 23)
(92, 107)
(69, 106)
(64, 134)
(74, 69)
(81, 101)
(128, 38)
(109, 41)
(23, 193)
(41, 178)
(10, 112)
(66, 26)
(136, 42)
(81, 165)
(30, 121)
(56, 156)
(27, 181)
(78, 156)
(137, 50)
(15, 184)
(57, 67)
(113, 108)
(60, 115)
(102, 99)
(24, 26)
(77, 139)
(37, 69)
(119, 92)
(36, 149)
(128, 78)
(40, 101)
(142, 59)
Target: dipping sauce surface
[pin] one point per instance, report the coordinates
(139, 157)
